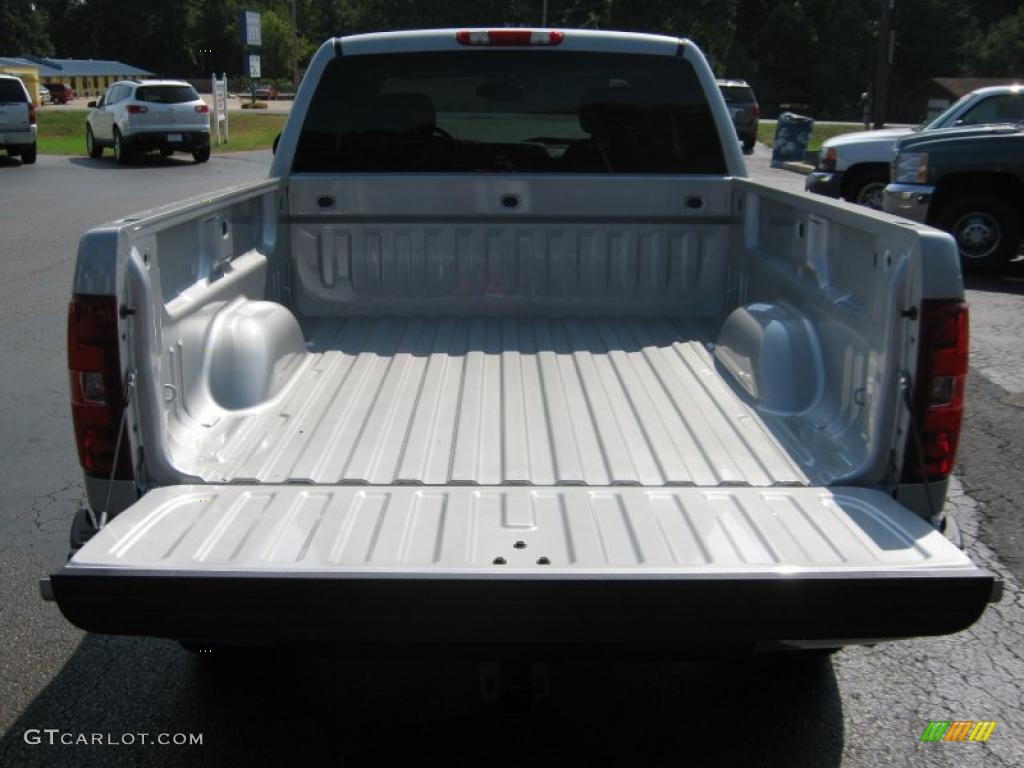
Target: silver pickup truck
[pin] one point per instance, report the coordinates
(507, 352)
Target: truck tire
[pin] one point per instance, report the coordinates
(748, 145)
(867, 187)
(93, 147)
(28, 156)
(201, 155)
(122, 151)
(986, 228)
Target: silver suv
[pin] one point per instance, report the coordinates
(743, 109)
(141, 116)
(17, 119)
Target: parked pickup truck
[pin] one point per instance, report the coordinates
(508, 353)
(969, 182)
(855, 166)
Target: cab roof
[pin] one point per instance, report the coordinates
(153, 82)
(421, 40)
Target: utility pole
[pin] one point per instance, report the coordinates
(544, 15)
(880, 93)
(295, 49)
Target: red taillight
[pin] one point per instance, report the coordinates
(202, 108)
(938, 405)
(509, 37)
(31, 113)
(137, 109)
(94, 365)
(756, 110)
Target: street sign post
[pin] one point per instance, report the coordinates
(251, 29)
(252, 65)
(220, 107)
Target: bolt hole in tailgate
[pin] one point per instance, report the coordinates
(405, 565)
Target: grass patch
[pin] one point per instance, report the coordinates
(819, 135)
(62, 132)
(251, 131)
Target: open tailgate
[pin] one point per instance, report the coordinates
(451, 566)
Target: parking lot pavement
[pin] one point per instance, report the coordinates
(997, 320)
(864, 707)
(759, 166)
(235, 102)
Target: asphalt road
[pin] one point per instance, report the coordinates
(864, 707)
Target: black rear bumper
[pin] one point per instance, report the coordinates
(445, 612)
(190, 141)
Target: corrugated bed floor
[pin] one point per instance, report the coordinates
(489, 401)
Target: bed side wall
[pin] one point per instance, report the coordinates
(510, 245)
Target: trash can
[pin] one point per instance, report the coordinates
(792, 133)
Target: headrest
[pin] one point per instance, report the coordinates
(400, 112)
(604, 108)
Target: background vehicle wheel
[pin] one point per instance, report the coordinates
(28, 156)
(748, 146)
(122, 153)
(867, 187)
(987, 230)
(201, 155)
(94, 149)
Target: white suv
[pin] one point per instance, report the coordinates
(156, 114)
(17, 119)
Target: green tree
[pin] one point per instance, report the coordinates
(929, 36)
(213, 38)
(709, 23)
(276, 51)
(815, 52)
(788, 57)
(327, 18)
(61, 23)
(999, 50)
(23, 29)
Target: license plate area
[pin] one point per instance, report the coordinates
(174, 138)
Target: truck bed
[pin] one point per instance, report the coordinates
(497, 405)
(500, 401)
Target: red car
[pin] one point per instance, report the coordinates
(266, 93)
(60, 93)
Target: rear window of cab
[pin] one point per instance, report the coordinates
(509, 111)
(166, 94)
(737, 94)
(12, 92)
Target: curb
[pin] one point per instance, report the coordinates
(796, 167)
